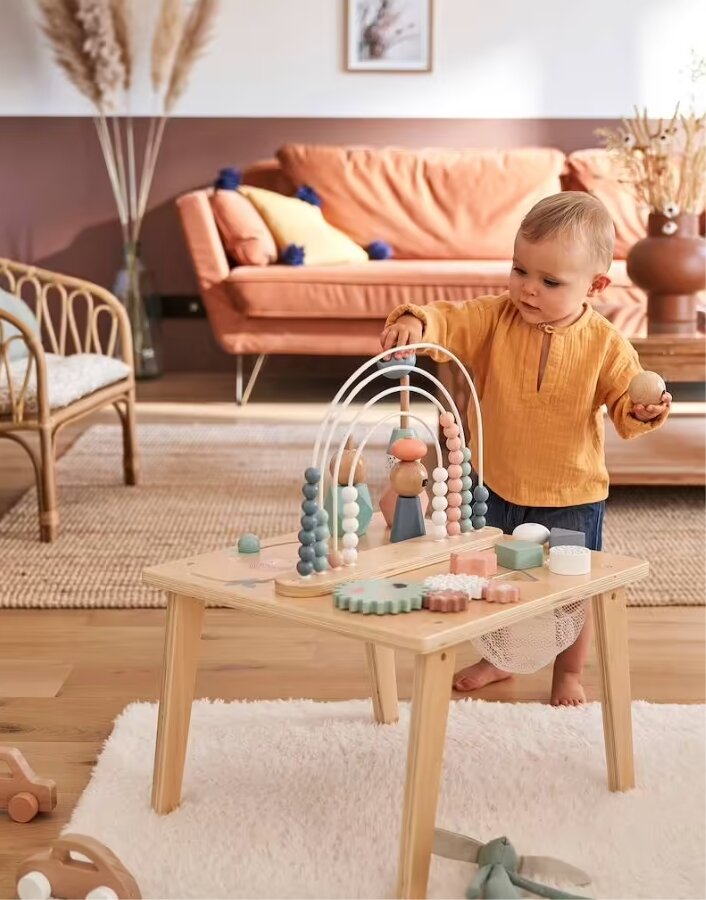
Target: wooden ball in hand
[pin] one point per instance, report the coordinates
(647, 388)
(408, 478)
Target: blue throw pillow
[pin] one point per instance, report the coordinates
(19, 309)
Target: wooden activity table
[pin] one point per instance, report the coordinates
(249, 584)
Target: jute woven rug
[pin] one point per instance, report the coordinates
(203, 485)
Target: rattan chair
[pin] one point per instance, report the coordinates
(75, 317)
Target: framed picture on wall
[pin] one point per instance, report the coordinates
(389, 35)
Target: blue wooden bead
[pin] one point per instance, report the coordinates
(465, 468)
(305, 568)
(306, 537)
(321, 548)
(321, 532)
(321, 517)
(466, 483)
(409, 363)
(310, 491)
(307, 554)
(321, 564)
(248, 543)
(312, 475)
(310, 507)
(466, 454)
(466, 526)
(466, 497)
(481, 493)
(308, 522)
(478, 522)
(480, 509)
(466, 511)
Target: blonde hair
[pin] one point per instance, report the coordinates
(576, 215)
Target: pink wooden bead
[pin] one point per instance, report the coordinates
(454, 485)
(453, 499)
(446, 419)
(455, 471)
(452, 431)
(335, 559)
(453, 514)
(409, 449)
(502, 592)
(454, 443)
(456, 457)
(453, 529)
(474, 562)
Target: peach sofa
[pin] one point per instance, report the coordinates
(449, 215)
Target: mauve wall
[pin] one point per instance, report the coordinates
(57, 209)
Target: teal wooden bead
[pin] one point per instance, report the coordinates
(310, 507)
(310, 491)
(308, 522)
(305, 568)
(321, 548)
(466, 483)
(466, 511)
(480, 509)
(321, 533)
(466, 454)
(248, 543)
(321, 517)
(481, 493)
(465, 468)
(466, 497)
(307, 553)
(320, 563)
(409, 363)
(306, 536)
(466, 526)
(312, 475)
(478, 522)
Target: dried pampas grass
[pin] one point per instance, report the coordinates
(197, 32)
(167, 36)
(65, 34)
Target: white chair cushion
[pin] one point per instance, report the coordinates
(68, 379)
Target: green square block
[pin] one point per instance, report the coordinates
(519, 555)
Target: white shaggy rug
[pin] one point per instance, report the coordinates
(304, 799)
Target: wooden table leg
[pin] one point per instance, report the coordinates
(431, 694)
(383, 678)
(611, 623)
(181, 648)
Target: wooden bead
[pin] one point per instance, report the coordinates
(446, 419)
(344, 471)
(456, 458)
(454, 471)
(454, 500)
(408, 449)
(452, 431)
(646, 388)
(453, 514)
(454, 443)
(335, 559)
(408, 479)
(455, 485)
(453, 529)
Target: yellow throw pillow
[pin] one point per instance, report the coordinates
(293, 221)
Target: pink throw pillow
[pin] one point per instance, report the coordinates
(246, 237)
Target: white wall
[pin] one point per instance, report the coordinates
(492, 58)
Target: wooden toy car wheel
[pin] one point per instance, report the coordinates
(23, 807)
(34, 886)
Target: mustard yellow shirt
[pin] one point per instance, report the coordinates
(543, 445)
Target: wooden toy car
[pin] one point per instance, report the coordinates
(22, 792)
(75, 866)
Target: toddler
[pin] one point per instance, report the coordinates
(544, 364)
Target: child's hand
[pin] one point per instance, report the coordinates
(407, 329)
(652, 410)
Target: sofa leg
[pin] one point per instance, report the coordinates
(242, 396)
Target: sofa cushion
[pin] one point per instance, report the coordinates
(293, 221)
(372, 291)
(20, 310)
(427, 204)
(599, 173)
(68, 379)
(246, 237)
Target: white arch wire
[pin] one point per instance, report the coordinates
(321, 461)
(386, 393)
(422, 345)
(358, 452)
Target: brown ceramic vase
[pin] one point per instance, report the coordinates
(671, 268)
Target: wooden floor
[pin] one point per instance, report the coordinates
(65, 675)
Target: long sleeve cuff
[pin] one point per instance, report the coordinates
(404, 310)
(628, 426)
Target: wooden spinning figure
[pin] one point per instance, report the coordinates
(408, 479)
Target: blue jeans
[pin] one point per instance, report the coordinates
(586, 517)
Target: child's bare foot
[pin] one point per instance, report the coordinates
(478, 675)
(567, 689)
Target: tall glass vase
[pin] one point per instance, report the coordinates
(133, 286)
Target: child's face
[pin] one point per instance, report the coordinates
(551, 279)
